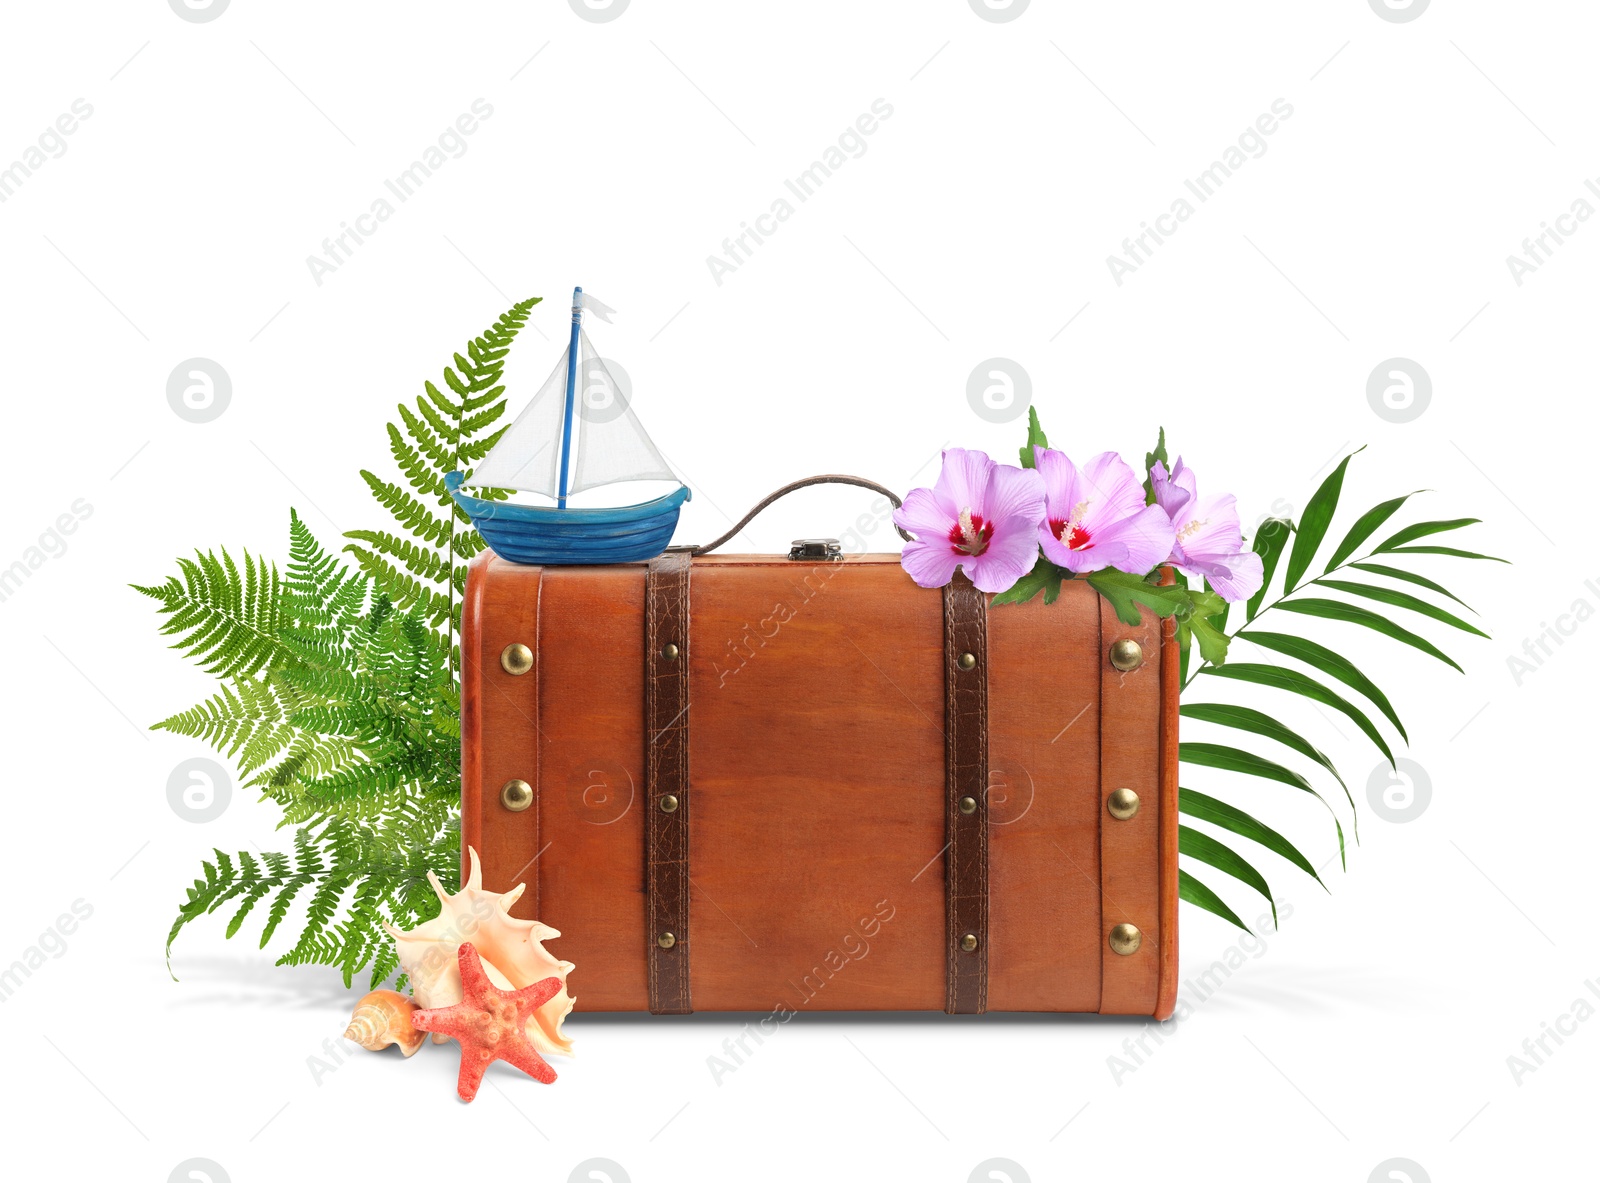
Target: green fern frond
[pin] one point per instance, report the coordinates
(416, 517)
(424, 563)
(473, 425)
(244, 716)
(307, 757)
(407, 590)
(225, 621)
(447, 429)
(423, 476)
(424, 431)
(346, 730)
(340, 699)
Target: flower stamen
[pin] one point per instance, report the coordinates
(1071, 532)
(970, 535)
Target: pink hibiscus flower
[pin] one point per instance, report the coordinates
(1096, 516)
(1206, 537)
(979, 516)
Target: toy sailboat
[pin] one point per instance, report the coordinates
(562, 444)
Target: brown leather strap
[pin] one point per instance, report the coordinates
(966, 775)
(826, 479)
(667, 797)
(1130, 845)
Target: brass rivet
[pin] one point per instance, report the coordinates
(670, 652)
(969, 943)
(1127, 655)
(966, 661)
(968, 805)
(1125, 939)
(516, 659)
(517, 795)
(666, 940)
(1122, 804)
(669, 804)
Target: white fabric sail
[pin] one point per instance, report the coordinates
(611, 444)
(599, 307)
(528, 456)
(608, 442)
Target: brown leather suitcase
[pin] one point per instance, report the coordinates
(754, 783)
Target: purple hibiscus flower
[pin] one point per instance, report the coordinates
(1206, 537)
(1096, 516)
(979, 516)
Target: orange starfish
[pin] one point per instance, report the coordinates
(490, 1024)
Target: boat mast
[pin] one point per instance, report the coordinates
(572, 381)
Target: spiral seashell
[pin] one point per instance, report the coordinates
(511, 951)
(384, 1017)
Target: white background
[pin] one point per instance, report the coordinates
(977, 223)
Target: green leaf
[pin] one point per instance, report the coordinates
(1211, 755)
(446, 430)
(1422, 530)
(1353, 614)
(1211, 640)
(1269, 542)
(1198, 894)
(1298, 683)
(1363, 529)
(1214, 755)
(1400, 599)
(1237, 821)
(342, 708)
(1199, 845)
(1264, 725)
(1314, 524)
(1045, 577)
(1331, 663)
(1447, 551)
(1410, 577)
(1208, 605)
(225, 614)
(1124, 592)
(1036, 436)
(1218, 618)
(1159, 452)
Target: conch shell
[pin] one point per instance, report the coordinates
(381, 1018)
(509, 948)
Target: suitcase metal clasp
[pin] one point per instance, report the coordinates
(826, 550)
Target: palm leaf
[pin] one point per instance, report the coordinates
(1297, 683)
(1422, 530)
(1352, 614)
(1365, 525)
(1230, 759)
(1314, 524)
(1208, 850)
(1237, 821)
(1447, 551)
(1258, 723)
(1269, 542)
(1321, 658)
(1410, 577)
(1213, 755)
(1201, 896)
(1400, 599)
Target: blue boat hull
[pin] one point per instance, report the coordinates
(541, 535)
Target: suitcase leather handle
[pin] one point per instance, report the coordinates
(825, 479)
